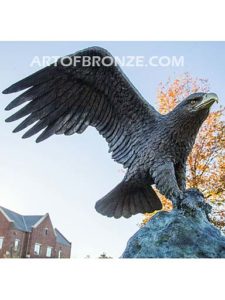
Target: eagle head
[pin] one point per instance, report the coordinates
(200, 102)
(195, 108)
(188, 116)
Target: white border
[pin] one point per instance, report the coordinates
(116, 20)
(112, 279)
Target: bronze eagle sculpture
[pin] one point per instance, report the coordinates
(68, 96)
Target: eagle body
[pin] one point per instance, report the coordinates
(67, 97)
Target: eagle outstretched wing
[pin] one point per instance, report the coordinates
(66, 98)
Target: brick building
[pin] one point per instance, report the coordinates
(30, 237)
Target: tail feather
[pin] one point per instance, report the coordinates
(126, 207)
(132, 207)
(110, 208)
(127, 199)
(118, 212)
(145, 203)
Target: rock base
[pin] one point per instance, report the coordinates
(181, 233)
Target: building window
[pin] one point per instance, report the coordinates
(60, 254)
(46, 231)
(49, 252)
(16, 244)
(37, 249)
(1, 241)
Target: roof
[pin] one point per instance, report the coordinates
(26, 223)
(61, 239)
(23, 223)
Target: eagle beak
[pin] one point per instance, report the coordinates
(207, 101)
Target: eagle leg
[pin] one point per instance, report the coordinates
(180, 171)
(164, 176)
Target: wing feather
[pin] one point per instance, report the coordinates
(67, 99)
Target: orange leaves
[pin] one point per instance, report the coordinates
(172, 92)
(206, 163)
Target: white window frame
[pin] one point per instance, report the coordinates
(39, 249)
(60, 254)
(16, 244)
(1, 241)
(49, 254)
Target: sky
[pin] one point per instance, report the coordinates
(65, 176)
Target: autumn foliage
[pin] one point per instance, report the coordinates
(206, 163)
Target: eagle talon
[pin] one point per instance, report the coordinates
(190, 206)
(177, 200)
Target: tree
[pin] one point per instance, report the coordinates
(104, 255)
(206, 162)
